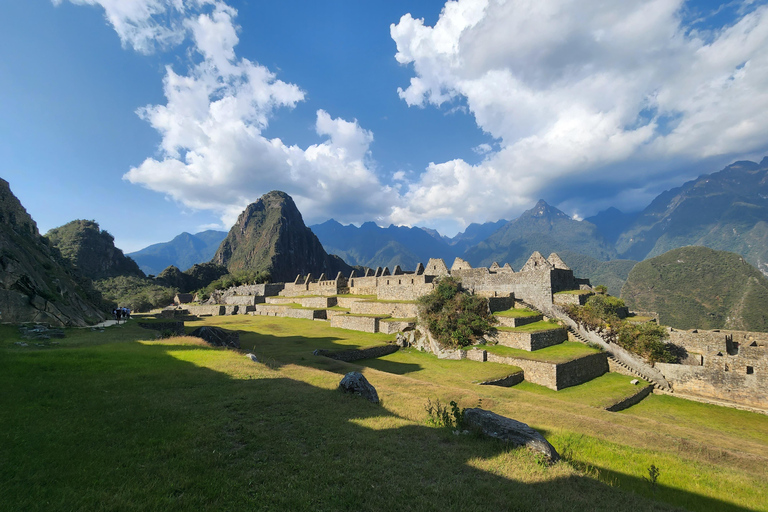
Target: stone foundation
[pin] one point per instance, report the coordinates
(530, 341)
(395, 327)
(356, 323)
(508, 321)
(393, 309)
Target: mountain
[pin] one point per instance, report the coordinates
(611, 223)
(698, 287)
(726, 210)
(372, 246)
(92, 250)
(474, 234)
(196, 277)
(270, 235)
(545, 229)
(37, 284)
(182, 252)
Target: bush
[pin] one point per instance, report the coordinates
(605, 307)
(647, 340)
(453, 316)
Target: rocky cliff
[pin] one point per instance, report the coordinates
(36, 283)
(270, 235)
(92, 250)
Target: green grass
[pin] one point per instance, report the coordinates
(352, 296)
(602, 392)
(111, 421)
(398, 319)
(539, 326)
(574, 292)
(337, 308)
(565, 351)
(393, 301)
(517, 313)
(424, 366)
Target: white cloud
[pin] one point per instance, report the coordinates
(213, 154)
(576, 90)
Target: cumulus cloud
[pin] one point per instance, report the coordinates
(589, 91)
(213, 154)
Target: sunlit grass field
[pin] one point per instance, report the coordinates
(120, 420)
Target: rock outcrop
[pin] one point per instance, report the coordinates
(270, 235)
(355, 382)
(92, 250)
(36, 283)
(510, 431)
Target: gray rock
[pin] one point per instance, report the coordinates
(355, 382)
(634, 382)
(252, 357)
(509, 430)
(217, 337)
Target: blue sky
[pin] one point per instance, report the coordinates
(154, 117)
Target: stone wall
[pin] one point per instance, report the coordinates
(356, 323)
(506, 382)
(574, 299)
(530, 340)
(734, 384)
(581, 370)
(358, 354)
(537, 372)
(518, 321)
(631, 400)
(242, 300)
(206, 310)
(393, 309)
(389, 327)
(501, 303)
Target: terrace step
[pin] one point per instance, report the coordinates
(508, 321)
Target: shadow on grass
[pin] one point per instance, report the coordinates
(129, 426)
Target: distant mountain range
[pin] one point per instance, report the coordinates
(726, 210)
(182, 252)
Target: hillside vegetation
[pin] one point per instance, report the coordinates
(698, 287)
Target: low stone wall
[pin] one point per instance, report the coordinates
(537, 372)
(356, 323)
(506, 382)
(394, 327)
(509, 321)
(307, 314)
(501, 303)
(733, 385)
(630, 401)
(318, 302)
(393, 309)
(358, 354)
(581, 370)
(204, 310)
(269, 310)
(346, 302)
(242, 300)
(177, 328)
(281, 300)
(231, 309)
(174, 313)
(565, 299)
(530, 340)
(615, 367)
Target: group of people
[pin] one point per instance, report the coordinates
(121, 314)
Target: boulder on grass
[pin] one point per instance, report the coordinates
(217, 337)
(355, 382)
(509, 430)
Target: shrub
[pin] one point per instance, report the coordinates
(647, 340)
(453, 316)
(605, 307)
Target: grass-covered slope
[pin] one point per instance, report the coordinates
(698, 287)
(118, 420)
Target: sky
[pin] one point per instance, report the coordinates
(154, 117)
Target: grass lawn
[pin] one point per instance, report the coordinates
(423, 366)
(517, 313)
(602, 392)
(539, 326)
(118, 420)
(565, 351)
(398, 319)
